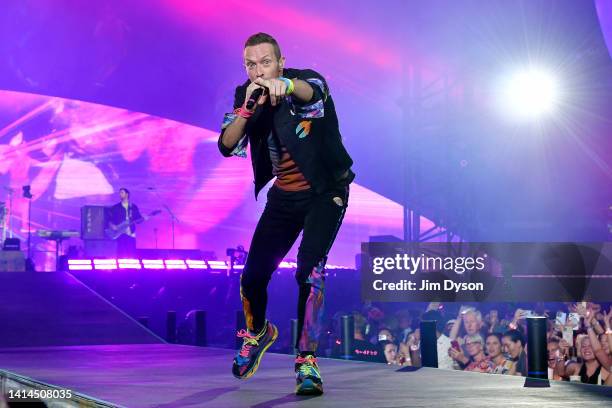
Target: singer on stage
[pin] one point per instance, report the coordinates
(288, 118)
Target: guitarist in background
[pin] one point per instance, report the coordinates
(121, 212)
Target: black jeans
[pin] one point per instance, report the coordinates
(285, 215)
(126, 246)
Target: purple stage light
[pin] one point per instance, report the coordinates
(80, 265)
(195, 264)
(175, 264)
(153, 264)
(79, 262)
(217, 265)
(171, 264)
(105, 264)
(129, 264)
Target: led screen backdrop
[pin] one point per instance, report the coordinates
(76, 153)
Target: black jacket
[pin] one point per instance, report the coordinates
(308, 130)
(116, 214)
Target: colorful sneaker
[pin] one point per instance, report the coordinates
(253, 348)
(308, 376)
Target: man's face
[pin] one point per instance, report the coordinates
(471, 323)
(123, 195)
(260, 62)
(511, 347)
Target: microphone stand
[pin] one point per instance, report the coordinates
(29, 227)
(27, 194)
(173, 217)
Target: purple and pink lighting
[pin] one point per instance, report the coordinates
(80, 153)
(416, 83)
(169, 264)
(479, 133)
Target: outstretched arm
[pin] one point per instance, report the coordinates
(608, 330)
(279, 88)
(600, 354)
(454, 332)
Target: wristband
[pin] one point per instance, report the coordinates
(290, 85)
(243, 112)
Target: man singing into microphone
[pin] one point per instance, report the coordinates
(293, 134)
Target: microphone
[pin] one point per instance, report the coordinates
(253, 98)
(150, 188)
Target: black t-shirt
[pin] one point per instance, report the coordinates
(117, 214)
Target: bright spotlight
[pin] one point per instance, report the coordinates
(530, 94)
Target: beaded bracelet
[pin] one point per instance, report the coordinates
(290, 85)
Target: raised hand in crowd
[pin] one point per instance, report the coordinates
(456, 353)
(608, 320)
(454, 332)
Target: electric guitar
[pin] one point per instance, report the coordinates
(124, 227)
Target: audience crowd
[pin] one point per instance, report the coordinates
(487, 338)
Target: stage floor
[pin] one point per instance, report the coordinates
(163, 375)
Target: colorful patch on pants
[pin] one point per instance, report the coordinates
(303, 129)
(313, 316)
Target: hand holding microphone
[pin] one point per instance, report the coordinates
(254, 98)
(255, 95)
